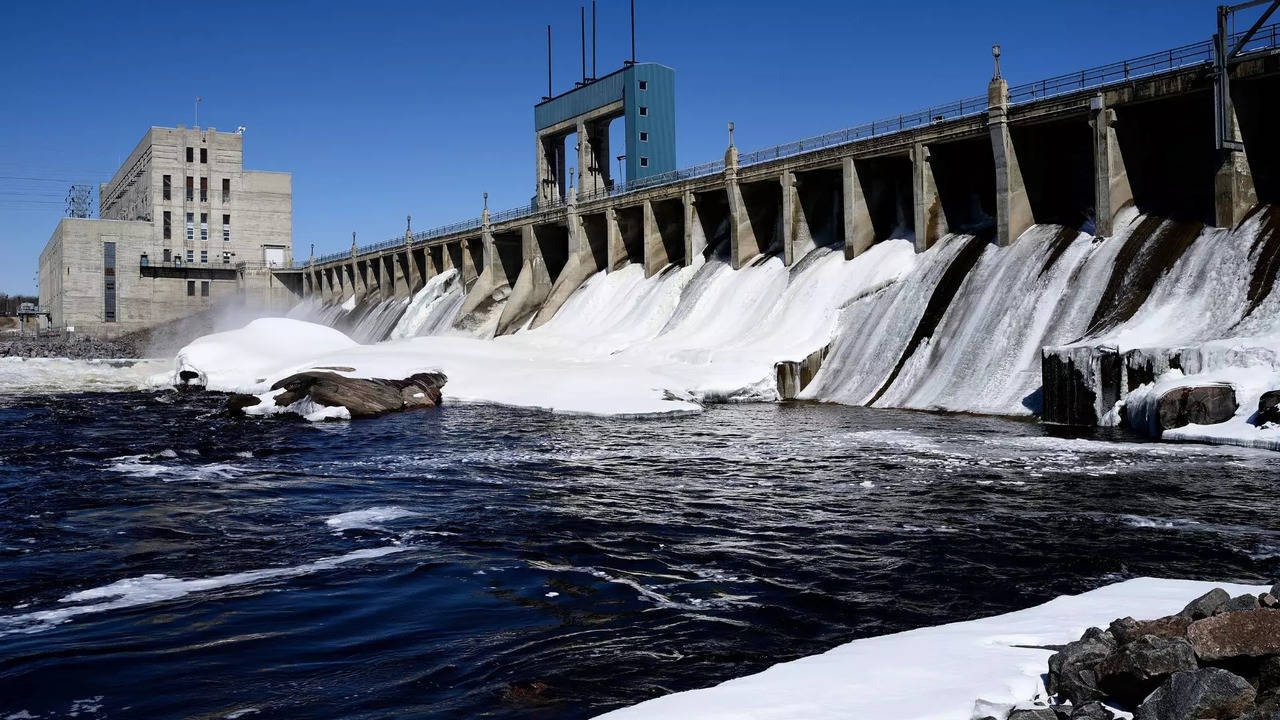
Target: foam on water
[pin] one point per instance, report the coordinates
(151, 589)
(369, 519)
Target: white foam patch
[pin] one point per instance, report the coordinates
(933, 673)
(367, 519)
(50, 375)
(150, 589)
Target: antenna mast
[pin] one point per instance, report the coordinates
(548, 97)
(582, 23)
(593, 39)
(633, 33)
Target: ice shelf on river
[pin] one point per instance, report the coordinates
(934, 673)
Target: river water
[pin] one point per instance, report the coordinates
(161, 559)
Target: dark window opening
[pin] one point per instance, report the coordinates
(644, 111)
(109, 282)
(168, 183)
(226, 189)
(189, 154)
(144, 260)
(191, 185)
(204, 155)
(644, 137)
(168, 255)
(168, 225)
(644, 162)
(644, 84)
(204, 288)
(191, 288)
(204, 256)
(226, 228)
(204, 189)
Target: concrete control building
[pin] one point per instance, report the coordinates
(181, 225)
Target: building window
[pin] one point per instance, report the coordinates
(226, 257)
(168, 255)
(226, 189)
(204, 226)
(109, 282)
(226, 228)
(191, 284)
(166, 186)
(644, 111)
(204, 189)
(189, 152)
(204, 155)
(191, 184)
(644, 84)
(644, 137)
(144, 262)
(204, 256)
(168, 224)
(204, 288)
(644, 161)
(191, 255)
(191, 227)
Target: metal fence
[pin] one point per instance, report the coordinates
(1193, 55)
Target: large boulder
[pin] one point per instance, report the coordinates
(1134, 670)
(1238, 603)
(1245, 633)
(1207, 404)
(1204, 694)
(1073, 669)
(1203, 606)
(1126, 630)
(362, 397)
(1268, 408)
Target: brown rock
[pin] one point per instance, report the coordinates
(1250, 633)
(237, 403)
(1197, 404)
(1127, 629)
(362, 397)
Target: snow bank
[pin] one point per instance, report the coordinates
(935, 673)
(240, 360)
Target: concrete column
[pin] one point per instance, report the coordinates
(617, 252)
(1111, 191)
(1233, 190)
(655, 252)
(593, 157)
(1013, 208)
(787, 219)
(469, 271)
(859, 233)
(551, 169)
(930, 221)
(695, 239)
(412, 278)
(742, 236)
(352, 284)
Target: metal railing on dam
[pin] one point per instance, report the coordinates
(1200, 54)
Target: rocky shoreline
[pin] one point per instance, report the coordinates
(316, 391)
(1217, 659)
(73, 347)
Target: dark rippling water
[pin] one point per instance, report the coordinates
(527, 565)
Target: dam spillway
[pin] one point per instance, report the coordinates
(1042, 215)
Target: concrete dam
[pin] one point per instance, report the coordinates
(1070, 240)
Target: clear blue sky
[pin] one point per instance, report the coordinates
(385, 109)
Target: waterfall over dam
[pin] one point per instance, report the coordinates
(1038, 254)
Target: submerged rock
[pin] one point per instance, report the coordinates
(1197, 405)
(362, 397)
(1205, 694)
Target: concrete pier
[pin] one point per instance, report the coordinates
(1013, 209)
